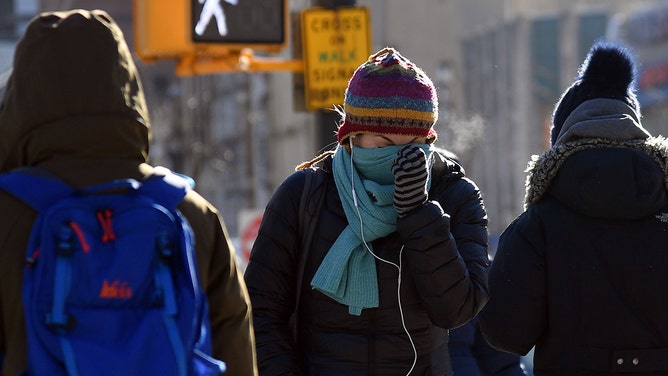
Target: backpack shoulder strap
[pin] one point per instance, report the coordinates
(166, 187)
(310, 203)
(36, 187)
(39, 188)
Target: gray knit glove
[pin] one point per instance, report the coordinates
(410, 179)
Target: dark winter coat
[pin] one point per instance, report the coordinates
(75, 107)
(443, 285)
(472, 355)
(582, 274)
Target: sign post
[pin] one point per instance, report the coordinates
(335, 42)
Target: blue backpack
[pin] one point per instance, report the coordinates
(110, 285)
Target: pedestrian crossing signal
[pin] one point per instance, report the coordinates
(174, 29)
(242, 22)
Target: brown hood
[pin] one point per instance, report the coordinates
(74, 94)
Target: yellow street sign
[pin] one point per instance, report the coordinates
(335, 42)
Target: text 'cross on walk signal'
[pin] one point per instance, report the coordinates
(335, 42)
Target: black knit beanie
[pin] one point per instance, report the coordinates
(607, 72)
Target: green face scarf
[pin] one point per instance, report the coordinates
(347, 274)
(376, 163)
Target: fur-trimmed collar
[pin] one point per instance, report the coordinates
(542, 169)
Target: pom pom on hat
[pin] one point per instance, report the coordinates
(607, 72)
(388, 94)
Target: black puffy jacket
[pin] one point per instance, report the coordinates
(444, 283)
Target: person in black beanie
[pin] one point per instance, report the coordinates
(580, 275)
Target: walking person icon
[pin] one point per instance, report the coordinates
(212, 8)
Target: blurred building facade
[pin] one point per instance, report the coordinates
(500, 65)
(517, 62)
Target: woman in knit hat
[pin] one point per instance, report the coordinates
(397, 254)
(583, 269)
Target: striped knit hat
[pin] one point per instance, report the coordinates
(389, 95)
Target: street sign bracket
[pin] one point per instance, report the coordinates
(243, 60)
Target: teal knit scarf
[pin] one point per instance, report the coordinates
(347, 274)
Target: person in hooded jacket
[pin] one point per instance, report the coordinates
(581, 273)
(399, 254)
(74, 106)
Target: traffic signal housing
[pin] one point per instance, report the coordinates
(177, 29)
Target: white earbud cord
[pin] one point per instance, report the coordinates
(359, 215)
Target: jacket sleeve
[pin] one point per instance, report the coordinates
(492, 361)
(271, 280)
(446, 253)
(229, 304)
(514, 318)
(15, 231)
